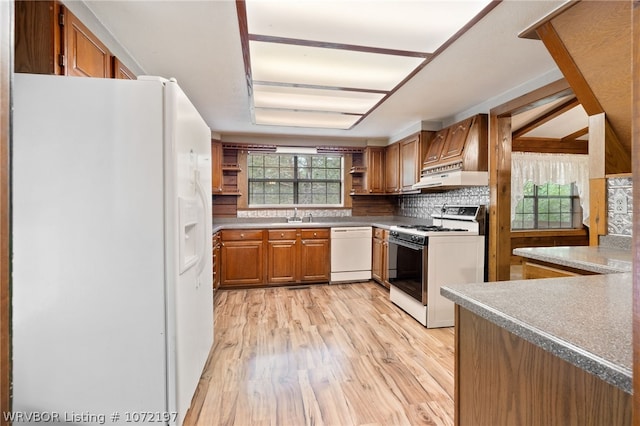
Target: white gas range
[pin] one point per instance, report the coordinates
(423, 258)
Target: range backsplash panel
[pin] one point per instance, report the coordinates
(422, 205)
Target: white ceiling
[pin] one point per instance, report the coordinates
(198, 43)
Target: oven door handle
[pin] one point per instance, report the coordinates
(406, 244)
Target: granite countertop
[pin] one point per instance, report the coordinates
(321, 222)
(598, 259)
(587, 321)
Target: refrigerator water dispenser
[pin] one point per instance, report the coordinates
(188, 239)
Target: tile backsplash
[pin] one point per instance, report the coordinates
(422, 205)
(620, 223)
(282, 213)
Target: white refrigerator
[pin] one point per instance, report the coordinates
(112, 300)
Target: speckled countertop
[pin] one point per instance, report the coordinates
(586, 320)
(598, 259)
(324, 222)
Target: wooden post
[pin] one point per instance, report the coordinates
(6, 69)
(597, 181)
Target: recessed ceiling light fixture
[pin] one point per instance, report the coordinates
(328, 64)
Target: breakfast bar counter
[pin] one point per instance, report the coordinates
(592, 259)
(544, 351)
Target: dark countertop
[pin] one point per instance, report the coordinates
(587, 320)
(321, 222)
(598, 259)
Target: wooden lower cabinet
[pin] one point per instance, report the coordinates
(501, 379)
(242, 257)
(538, 269)
(315, 255)
(250, 257)
(380, 256)
(215, 261)
(282, 256)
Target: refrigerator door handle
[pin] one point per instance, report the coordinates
(203, 199)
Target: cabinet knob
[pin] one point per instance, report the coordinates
(241, 235)
(282, 234)
(315, 234)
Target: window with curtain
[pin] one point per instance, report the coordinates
(549, 190)
(295, 179)
(548, 206)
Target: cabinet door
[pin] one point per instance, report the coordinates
(85, 54)
(216, 260)
(120, 71)
(37, 37)
(409, 163)
(392, 169)
(385, 260)
(376, 260)
(216, 167)
(435, 148)
(281, 263)
(242, 263)
(456, 139)
(314, 260)
(375, 170)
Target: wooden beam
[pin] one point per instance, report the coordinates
(571, 72)
(550, 146)
(548, 116)
(575, 135)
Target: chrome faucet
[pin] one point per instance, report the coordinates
(295, 212)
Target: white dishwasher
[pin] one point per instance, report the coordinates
(351, 253)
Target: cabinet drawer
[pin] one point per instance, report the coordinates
(241, 234)
(310, 234)
(282, 234)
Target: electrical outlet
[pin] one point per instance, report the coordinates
(620, 204)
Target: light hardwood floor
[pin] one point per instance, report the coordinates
(323, 355)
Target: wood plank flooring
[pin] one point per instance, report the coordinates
(323, 355)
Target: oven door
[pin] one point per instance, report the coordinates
(407, 268)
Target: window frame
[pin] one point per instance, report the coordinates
(296, 181)
(574, 210)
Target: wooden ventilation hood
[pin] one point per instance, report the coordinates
(591, 42)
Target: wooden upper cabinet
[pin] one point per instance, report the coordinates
(37, 37)
(49, 39)
(392, 169)
(120, 71)
(409, 162)
(216, 167)
(434, 149)
(85, 54)
(454, 144)
(375, 170)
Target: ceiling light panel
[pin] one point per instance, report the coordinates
(421, 26)
(324, 120)
(293, 64)
(285, 97)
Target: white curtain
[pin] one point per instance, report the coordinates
(560, 169)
